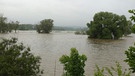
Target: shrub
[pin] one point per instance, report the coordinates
(16, 59)
(74, 64)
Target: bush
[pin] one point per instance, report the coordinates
(16, 59)
(73, 64)
(130, 53)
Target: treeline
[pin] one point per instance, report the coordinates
(26, 27)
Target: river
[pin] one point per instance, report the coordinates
(50, 47)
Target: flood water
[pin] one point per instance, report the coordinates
(50, 47)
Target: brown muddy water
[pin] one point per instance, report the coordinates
(50, 47)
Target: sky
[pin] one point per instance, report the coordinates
(63, 12)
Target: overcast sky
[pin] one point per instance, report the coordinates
(63, 12)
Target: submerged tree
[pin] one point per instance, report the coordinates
(6, 27)
(128, 29)
(16, 59)
(74, 64)
(13, 26)
(106, 25)
(3, 24)
(45, 26)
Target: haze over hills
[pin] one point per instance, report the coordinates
(69, 28)
(60, 28)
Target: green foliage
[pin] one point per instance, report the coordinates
(16, 59)
(26, 27)
(73, 64)
(133, 28)
(130, 53)
(128, 29)
(117, 71)
(133, 16)
(3, 24)
(99, 72)
(13, 25)
(80, 33)
(106, 25)
(132, 19)
(7, 27)
(45, 26)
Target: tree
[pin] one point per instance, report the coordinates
(130, 53)
(10, 27)
(45, 26)
(133, 28)
(133, 16)
(16, 59)
(132, 19)
(128, 28)
(3, 24)
(106, 25)
(7, 27)
(13, 26)
(74, 64)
